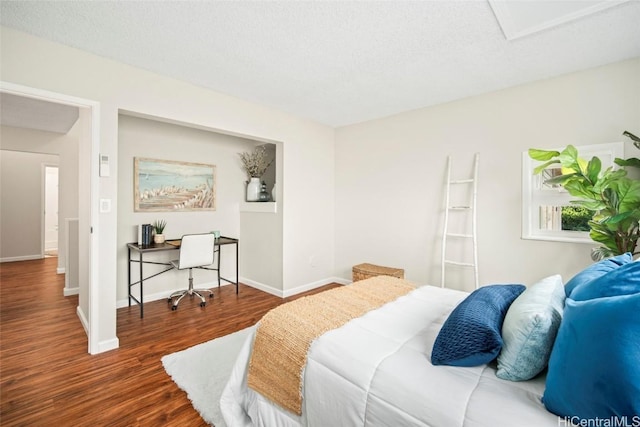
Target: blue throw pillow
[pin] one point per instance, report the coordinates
(624, 280)
(529, 330)
(596, 270)
(594, 369)
(471, 334)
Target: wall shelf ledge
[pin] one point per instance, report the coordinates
(259, 207)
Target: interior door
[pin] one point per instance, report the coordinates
(51, 210)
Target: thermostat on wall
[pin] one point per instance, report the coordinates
(104, 165)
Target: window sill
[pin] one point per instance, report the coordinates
(556, 238)
(259, 207)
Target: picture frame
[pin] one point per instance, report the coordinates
(173, 186)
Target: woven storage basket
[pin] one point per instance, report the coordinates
(365, 271)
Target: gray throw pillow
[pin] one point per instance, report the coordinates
(529, 330)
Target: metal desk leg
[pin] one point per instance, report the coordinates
(129, 274)
(219, 256)
(141, 286)
(237, 274)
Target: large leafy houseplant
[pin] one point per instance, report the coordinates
(612, 196)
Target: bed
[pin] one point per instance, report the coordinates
(377, 369)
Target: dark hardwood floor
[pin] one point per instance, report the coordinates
(47, 378)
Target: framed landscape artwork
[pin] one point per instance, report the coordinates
(171, 186)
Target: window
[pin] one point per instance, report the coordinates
(547, 211)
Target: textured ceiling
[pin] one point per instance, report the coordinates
(30, 113)
(334, 62)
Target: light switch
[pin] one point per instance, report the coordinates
(105, 205)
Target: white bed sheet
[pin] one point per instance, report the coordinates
(376, 371)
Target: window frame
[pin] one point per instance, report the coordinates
(533, 197)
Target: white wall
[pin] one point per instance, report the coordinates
(306, 179)
(65, 151)
(22, 204)
(85, 246)
(390, 173)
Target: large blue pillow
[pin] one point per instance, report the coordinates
(594, 369)
(471, 334)
(596, 270)
(529, 330)
(624, 280)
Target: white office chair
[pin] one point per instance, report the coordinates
(196, 251)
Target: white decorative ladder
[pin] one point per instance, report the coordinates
(471, 210)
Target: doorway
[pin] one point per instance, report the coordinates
(89, 112)
(50, 211)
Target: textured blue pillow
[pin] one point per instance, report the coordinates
(596, 270)
(594, 369)
(471, 334)
(529, 330)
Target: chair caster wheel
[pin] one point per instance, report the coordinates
(202, 304)
(169, 300)
(210, 295)
(174, 307)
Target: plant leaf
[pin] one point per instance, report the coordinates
(628, 193)
(633, 162)
(615, 219)
(560, 179)
(543, 166)
(592, 205)
(569, 158)
(578, 188)
(542, 155)
(602, 234)
(608, 177)
(598, 254)
(593, 169)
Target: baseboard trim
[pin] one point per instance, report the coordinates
(165, 294)
(261, 286)
(70, 291)
(342, 281)
(297, 290)
(254, 284)
(60, 270)
(83, 320)
(310, 286)
(108, 345)
(21, 258)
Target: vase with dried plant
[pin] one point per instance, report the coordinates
(255, 164)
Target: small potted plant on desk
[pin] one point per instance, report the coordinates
(158, 228)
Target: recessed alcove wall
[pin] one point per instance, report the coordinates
(260, 235)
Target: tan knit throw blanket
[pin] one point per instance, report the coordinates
(285, 334)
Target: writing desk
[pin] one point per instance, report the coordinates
(169, 245)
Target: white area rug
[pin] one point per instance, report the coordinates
(203, 370)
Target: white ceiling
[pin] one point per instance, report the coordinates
(338, 62)
(30, 113)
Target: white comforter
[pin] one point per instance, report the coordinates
(376, 371)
